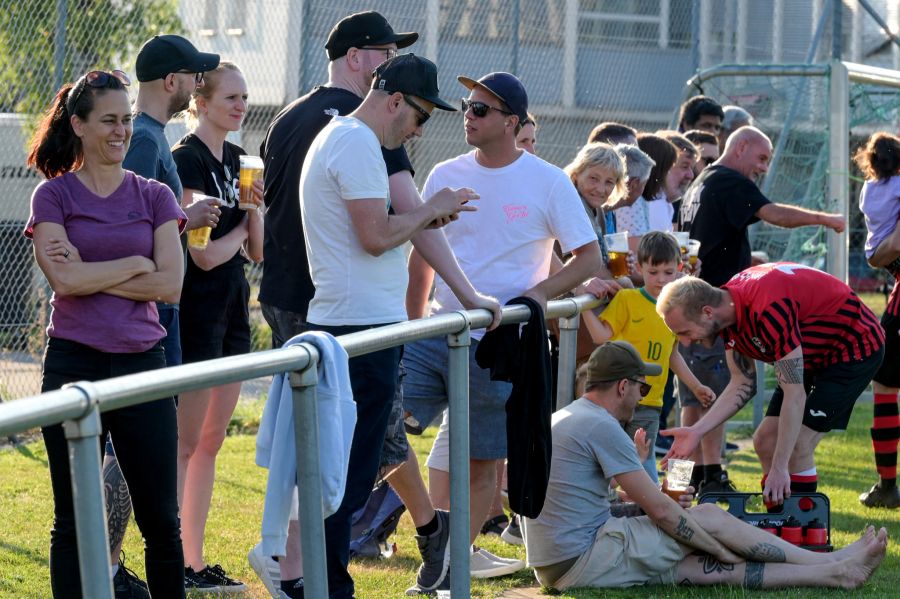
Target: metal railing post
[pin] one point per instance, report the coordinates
(88, 501)
(309, 480)
(458, 400)
(568, 348)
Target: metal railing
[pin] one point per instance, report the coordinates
(78, 407)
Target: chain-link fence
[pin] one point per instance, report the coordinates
(582, 61)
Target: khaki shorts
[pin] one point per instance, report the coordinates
(626, 552)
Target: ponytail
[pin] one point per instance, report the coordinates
(55, 149)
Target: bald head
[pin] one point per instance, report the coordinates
(748, 151)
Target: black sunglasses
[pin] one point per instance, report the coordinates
(97, 80)
(198, 77)
(480, 109)
(645, 387)
(424, 115)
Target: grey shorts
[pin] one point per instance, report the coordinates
(708, 365)
(425, 396)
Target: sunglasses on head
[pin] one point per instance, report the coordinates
(97, 80)
(480, 109)
(424, 115)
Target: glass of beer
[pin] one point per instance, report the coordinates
(693, 252)
(678, 477)
(617, 244)
(199, 238)
(251, 170)
(683, 237)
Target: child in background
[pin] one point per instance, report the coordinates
(631, 316)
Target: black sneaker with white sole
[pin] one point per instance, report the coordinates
(512, 534)
(435, 554)
(193, 583)
(127, 585)
(217, 578)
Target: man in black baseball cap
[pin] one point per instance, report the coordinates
(164, 54)
(412, 75)
(364, 29)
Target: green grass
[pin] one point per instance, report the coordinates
(844, 461)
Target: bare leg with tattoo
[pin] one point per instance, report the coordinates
(850, 572)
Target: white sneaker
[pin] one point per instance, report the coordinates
(266, 569)
(483, 564)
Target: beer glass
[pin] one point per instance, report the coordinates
(617, 244)
(682, 237)
(251, 170)
(693, 252)
(199, 238)
(678, 477)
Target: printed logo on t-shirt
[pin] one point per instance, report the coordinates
(332, 112)
(759, 344)
(134, 215)
(514, 212)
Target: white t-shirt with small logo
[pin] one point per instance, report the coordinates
(344, 163)
(505, 246)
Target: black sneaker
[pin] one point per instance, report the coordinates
(216, 577)
(435, 554)
(495, 525)
(127, 585)
(722, 484)
(879, 496)
(195, 584)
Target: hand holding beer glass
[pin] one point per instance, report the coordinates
(693, 252)
(617, 244)
(198, 238)
(251, 171)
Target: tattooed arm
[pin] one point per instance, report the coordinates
(789, 372)
(671, 517)
(740, 390)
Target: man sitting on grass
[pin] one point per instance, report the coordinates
(577, 542)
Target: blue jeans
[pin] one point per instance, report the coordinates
(373, 378)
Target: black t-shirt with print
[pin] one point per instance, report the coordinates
(199, 170)
(717, 209)
(286, 282)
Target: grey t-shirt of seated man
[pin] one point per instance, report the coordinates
(590, 447)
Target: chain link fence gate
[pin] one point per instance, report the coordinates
(582, 61)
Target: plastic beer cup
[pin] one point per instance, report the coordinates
(199, 238)
(617, 244)
(251, 170)
(678, 477)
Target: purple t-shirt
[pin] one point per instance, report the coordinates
(102, 229)
(879, 201)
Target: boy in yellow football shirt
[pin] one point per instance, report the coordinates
(631, 316)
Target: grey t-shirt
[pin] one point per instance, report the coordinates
(589, 448)
(149, 155)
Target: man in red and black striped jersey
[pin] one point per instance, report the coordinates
(825, 343)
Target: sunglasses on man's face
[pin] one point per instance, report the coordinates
(97, 80)
(198, 77)
(645, 387)
(424, 115)
(480, 109)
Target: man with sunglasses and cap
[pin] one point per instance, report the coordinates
(169, 69)
(355, 46)
(505, 249)
(345, 190)
(581, 540)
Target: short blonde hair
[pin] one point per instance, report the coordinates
(602, 155)
(690, 294)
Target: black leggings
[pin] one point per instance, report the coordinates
(145, 438)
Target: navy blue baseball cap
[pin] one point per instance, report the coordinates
(506, 87)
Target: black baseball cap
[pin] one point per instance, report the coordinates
(506, 87)
(364, 29)
(164, 54)
(409, 74)
(617, 360)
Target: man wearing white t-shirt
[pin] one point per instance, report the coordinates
(505, 250)
(356, 261)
